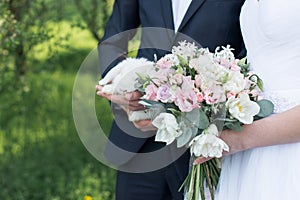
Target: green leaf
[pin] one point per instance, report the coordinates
(182, 61)
(266, 108)
(224, 78)
(234, 126)
(184, 138)
(260, 84)
(174, 111)
(203, 120)
(141, 76)
(189, 125)
(186, 182)
(193, 116)
(245, 67)
(242, 61)
(149, 103)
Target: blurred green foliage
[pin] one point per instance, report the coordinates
(43, 43)
(42, 156)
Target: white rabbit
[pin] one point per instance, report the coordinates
(122, 78)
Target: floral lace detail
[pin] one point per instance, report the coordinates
(281, 103)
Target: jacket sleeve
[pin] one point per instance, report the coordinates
(119, 30)
(113, 48)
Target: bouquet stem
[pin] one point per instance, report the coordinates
(197, 182)
(201, 176)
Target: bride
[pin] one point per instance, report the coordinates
(264, 162)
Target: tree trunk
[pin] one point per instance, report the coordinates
(20, 61)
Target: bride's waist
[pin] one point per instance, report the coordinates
(284, 99)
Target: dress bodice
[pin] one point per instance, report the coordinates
(271, 31)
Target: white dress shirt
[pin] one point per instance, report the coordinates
(179, 7)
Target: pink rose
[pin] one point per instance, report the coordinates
(214, 95)
(200, 97)
(151, 92)
(225, 63)
(198, 80)
(163, 74)
(186, 98)
(178, 78)
(186, 101)
(165, 94)
(230, 94)
(234, 67)
(164, 63)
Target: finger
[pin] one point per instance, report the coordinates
(99, 87)
(117, 99)
(102, 94)
(132, 96)
(142, 123)
(200, 160)
(132, 105)
(135, 105)
(145, 125)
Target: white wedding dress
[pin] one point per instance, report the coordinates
(271, 31)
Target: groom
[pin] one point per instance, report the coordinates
(208, 23)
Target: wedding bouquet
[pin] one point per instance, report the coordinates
(192, 94)
(199, 94)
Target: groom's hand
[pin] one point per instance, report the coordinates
(144, 125)
(128, 101)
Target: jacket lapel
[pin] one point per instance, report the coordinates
(194, 6)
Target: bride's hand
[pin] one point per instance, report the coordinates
(128, 101)
(232, 139)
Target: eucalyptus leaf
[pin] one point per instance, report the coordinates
(155, 110)
(189, 127)
(235, 126)
(149, 103)
(266, 108)
(203, 120)
(193, 116)
(184, 138)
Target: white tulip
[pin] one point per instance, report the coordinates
(243, 108)
(235, 82)
(207, 144)
(168, 128)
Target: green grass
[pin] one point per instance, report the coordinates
(41, 154)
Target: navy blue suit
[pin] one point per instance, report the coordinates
(209, 23)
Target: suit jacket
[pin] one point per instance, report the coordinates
(209, 23)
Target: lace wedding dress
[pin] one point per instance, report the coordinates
(271, 30)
